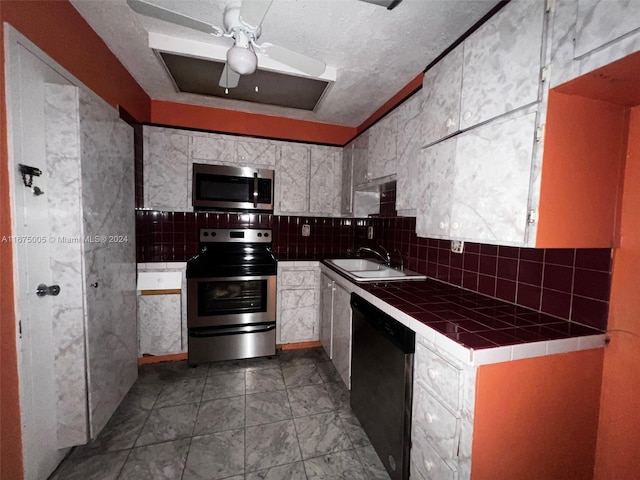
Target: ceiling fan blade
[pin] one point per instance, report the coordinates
(229, 78)
(252, 12)
(307, 65)
(150, 10)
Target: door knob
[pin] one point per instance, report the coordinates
(44, 290)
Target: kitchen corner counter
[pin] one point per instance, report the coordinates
(473, 328)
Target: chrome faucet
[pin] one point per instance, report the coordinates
(386, 258)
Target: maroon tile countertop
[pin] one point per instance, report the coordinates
(471, 319)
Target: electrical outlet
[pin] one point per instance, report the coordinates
(370, 233)
(306, 230)
(457, 246)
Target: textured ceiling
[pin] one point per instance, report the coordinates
(375, 51)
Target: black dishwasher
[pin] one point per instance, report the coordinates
(382, 383)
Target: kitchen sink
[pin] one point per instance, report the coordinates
(365, 270)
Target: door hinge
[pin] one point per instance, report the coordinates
(20, 328)
(539, 133)
(531, 217)
(544, 74)
(550, 6)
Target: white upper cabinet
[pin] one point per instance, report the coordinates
(360, 153)
(382, 160)
(409, 143)
(346, 197)
(441, 90)
(166, 171)
(600, 22)
(292, 180)
(502, 63)
(476, 185)
(325, 180)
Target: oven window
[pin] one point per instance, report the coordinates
(226, 297)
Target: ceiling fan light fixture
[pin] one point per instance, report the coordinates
(242, 60)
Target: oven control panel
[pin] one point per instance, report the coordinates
(235, 235)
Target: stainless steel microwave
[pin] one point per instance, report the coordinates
(217, 187)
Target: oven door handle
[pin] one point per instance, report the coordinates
(255, 190)
(218, 332)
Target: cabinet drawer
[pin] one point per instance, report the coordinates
(299, 278)
(440, 377)
(428, 465)
(434, 423)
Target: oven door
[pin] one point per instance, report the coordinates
(223, 301)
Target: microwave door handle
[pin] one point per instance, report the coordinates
(255, 190)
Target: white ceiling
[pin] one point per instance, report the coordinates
(376, 52)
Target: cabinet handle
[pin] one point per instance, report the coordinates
(441, 225)
(428, 417)
(432, 373)
(428, 465)
(466, 115)
(449, 123)
(455, 226)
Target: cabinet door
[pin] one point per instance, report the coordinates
(346, 198)
(325, 180)
(602, 21)
(409, 143)
(292, 179)
(342, 334)
(326, 314)
(255, 153)
(159, 324)
(492, 173)
(441, 88)
(383, 158)
(298, 316)
(360, 158)
(437, 167)
(166, 172)
(501, 70)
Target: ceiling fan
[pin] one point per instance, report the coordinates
(243, 24)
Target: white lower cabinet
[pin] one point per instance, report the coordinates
(159, 324)
(298, 299)
(442, 423)
(326, 314)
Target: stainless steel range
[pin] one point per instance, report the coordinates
(231, 296)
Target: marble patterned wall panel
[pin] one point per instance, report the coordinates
(383, 149)
(410, 121)
(292, 180)
(493, 170)
(166, 172)
(603, 21)
(63, 200)
(159, 324)
(501, 69)
(324, 181)
(109, 264)
(441, 90)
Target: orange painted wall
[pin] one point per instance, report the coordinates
(584, 149)
(59, 30)
(229, 121)
(537, 418)
(617, 454)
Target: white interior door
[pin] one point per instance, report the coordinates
(27, 80)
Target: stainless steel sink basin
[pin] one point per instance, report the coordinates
(364, 270)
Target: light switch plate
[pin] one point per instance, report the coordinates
(306, 230)
(457, 246)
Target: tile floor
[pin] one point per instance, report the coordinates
(280, 418)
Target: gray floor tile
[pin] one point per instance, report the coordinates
(97, 467)
(309, 400)
(299, 375)
(267, 407)
(339, 395)
(264, 380)
(215, 456)
(228, 366)
(321, 434)
(169, 423)
(353, 428)
(372, 465)
(163, 461)
(293, 471)
(262, 363)
(342, 465)
(181, 392)
(169, 371)
(120, 433)
(271, 445)
(141, 397)
(298, 357)
(219, 415)
(328, 372)
(223, 386)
